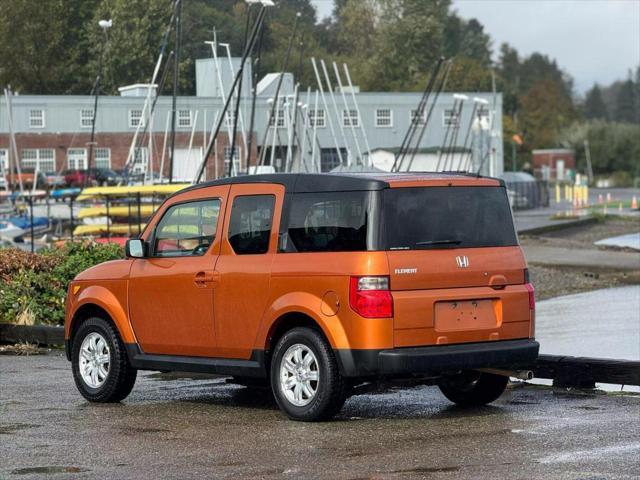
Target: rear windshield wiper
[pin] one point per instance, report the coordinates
(439, 242)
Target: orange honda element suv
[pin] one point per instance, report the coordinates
(315, 284)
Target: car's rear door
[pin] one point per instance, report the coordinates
(456, 270)
(247, 252)
(171, 292)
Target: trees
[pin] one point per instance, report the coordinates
(545, 110)
(134, 40)
(615, 147)
(44, 45)
(625, 106)
(594, 107)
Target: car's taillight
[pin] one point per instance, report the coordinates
(370, 297)
(532, 296)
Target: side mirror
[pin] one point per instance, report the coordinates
(135, 248)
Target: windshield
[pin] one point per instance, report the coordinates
(447, 217)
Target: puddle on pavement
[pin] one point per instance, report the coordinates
(47, 470)
(573, 324)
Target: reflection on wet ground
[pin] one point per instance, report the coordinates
(601, 323)
(175, 426)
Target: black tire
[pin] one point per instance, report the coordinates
(331, 390)
(121, 376)
(474, 388)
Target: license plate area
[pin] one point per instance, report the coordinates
(461, 315)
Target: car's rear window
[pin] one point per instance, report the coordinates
(327, 222)
(447, 217)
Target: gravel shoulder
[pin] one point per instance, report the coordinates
(552, 280)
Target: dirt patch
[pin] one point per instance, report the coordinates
(552, 282)
(22, 349)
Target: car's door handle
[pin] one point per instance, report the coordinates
(203, 278)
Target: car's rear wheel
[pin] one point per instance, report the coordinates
(100, 366)
(305, 379)
(474, 388)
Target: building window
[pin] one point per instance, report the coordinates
(384, 117)
(316, 118)
(86, 118)
(277, 119)
(4, 160)
(483, 113)
(135, 118)
(185, 119)
(140, 160)
(102, 157)
(77, 158)
(44, 159)
(330, 158)
(36, 118)
(230, 117)
(414, 114)
(450, 118)
(350, 118)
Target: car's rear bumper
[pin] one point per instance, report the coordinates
(437, 359)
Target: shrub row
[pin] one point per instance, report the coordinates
(33, 286)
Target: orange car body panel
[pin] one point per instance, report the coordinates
(172, 314)
(154, 303)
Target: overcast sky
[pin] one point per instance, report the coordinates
(593, 40)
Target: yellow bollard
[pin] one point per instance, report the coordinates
(586, 195)
(557, 193)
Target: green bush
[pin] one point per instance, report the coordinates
(34, 285)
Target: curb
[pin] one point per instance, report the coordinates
(40, 334)
(584, 372)
(558, 226)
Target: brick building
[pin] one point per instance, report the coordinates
(53, 131)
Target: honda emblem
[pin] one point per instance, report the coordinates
(462, 261)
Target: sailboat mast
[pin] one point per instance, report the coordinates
(176, 68)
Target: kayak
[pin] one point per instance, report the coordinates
(119, 211)
(101, 228)
(65, 192)
(132, 190)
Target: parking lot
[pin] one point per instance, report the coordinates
(177, 427)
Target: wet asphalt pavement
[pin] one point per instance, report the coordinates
(173, 427)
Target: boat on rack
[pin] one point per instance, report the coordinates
(97, 229)
(22, 224)
(164, 189)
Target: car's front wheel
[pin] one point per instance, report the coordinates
(474, 388)
(305, 379)
(100, 366)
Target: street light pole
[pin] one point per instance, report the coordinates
(104, 24)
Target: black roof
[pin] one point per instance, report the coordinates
(302, 182)
(319, 182)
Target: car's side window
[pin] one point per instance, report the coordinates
(326, 222)
(186, 229)
(250, 223)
